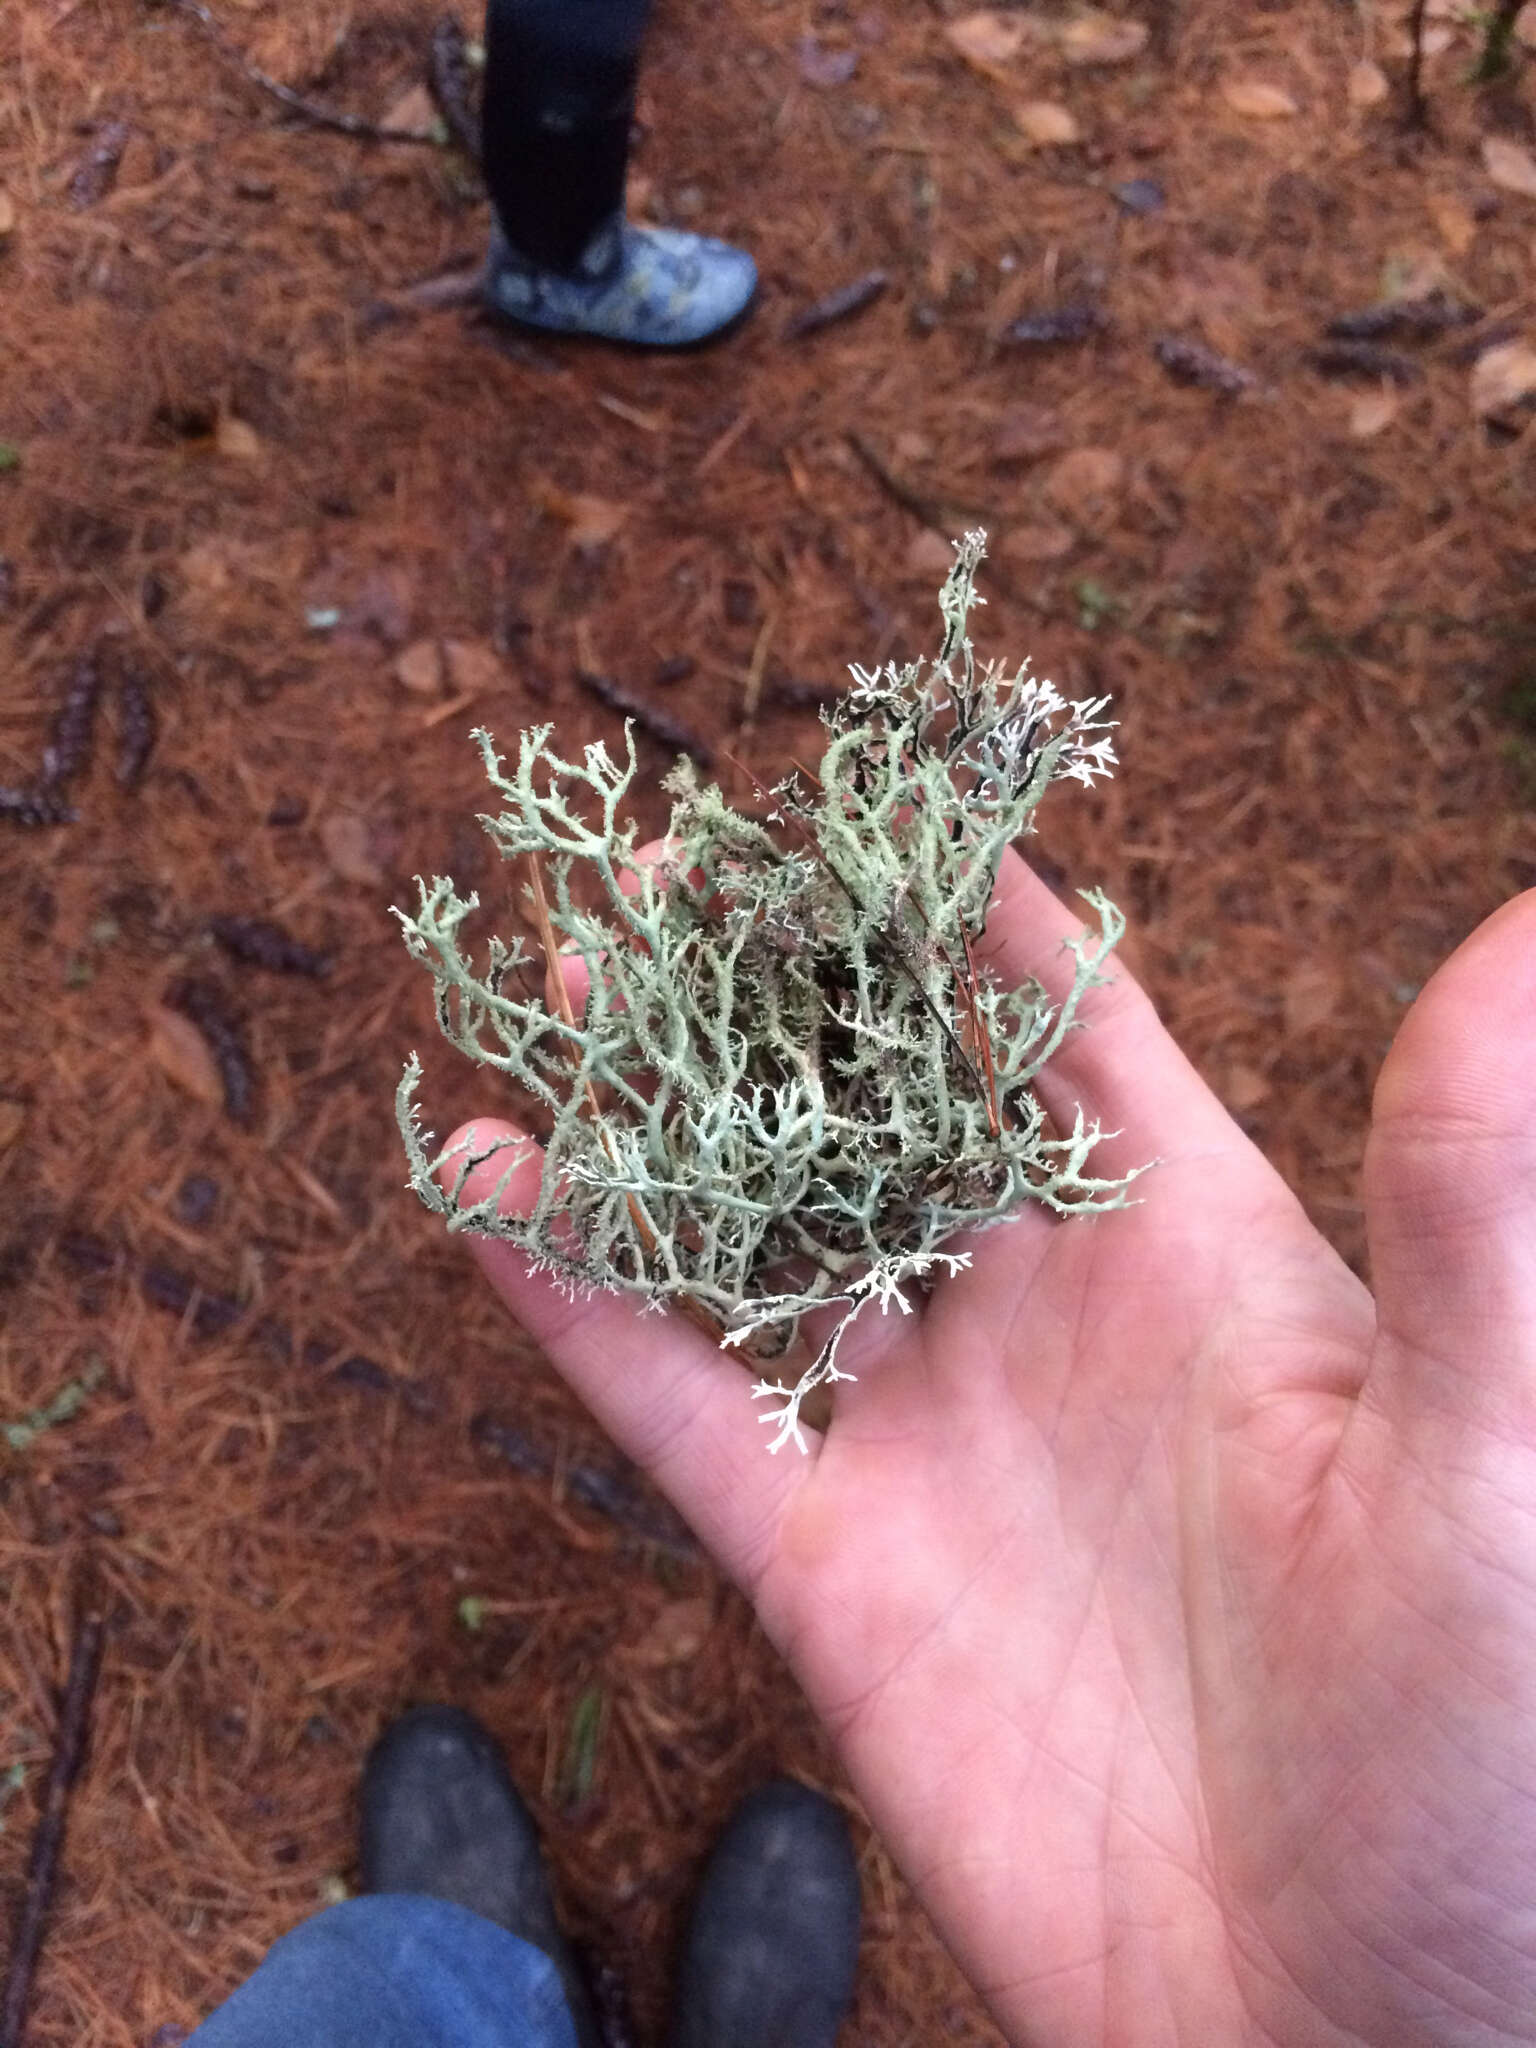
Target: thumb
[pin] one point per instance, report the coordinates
(1450, 1191)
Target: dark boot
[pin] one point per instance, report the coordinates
(440, 1815)
(774, 1940)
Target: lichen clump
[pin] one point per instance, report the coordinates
(792, 1080)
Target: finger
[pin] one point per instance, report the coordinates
(1123, 1068)
(1450, 1190)
(680, 1407)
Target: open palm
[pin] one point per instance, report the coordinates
(1172, 1601)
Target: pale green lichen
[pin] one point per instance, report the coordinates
(790, 1085)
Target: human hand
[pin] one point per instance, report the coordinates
(1172, 1602)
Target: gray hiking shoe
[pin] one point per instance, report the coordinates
(648, 287)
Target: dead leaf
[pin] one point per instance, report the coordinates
(1525, 25)
(985, 38)
(1503, 378)
(1102, 39)
(1046, 124)
(415, 112)
(592, 521)
(1367, 86)
(421, 668)
(12, 1117)
(182, 1054)
(1454, 221)
(930, 554)
(1256, 101)
(677, 1634)
(1025, 433)
(7, 213)
(1510, 165)
(1245, 1088)
(1084, 484)
(1042, 543)
(1372, 411)
(474, 666)
(236, 437)
(1312, 994)
(348, 844)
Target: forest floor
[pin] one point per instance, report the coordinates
(312, 519)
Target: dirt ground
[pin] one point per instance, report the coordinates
(313, 520)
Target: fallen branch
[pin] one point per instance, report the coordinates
(48, 1837)
(355, 125)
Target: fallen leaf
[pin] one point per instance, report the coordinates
(1367, 86)
(183, 1055)
(1046, 124)
(7, 213)
(1525, 25)
(985, 38)
(677, 1634)
(1041, 543)
(1312, 994)
(474, 666)
(1256, 101)
(12, 1117)
(1026, 432)
(1245, 1088)
(1372, 411)
(1503, 378)
(236, 437)
(415, 112)
(1510, 165)
(421, 668)
(929, 553)
(592, 521)
(1454, 221)
(348, 847)
(1103, 39)
(1084, 483)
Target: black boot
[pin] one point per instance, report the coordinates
(441, 1816)
(771, 1950)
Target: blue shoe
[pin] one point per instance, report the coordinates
(648, 287)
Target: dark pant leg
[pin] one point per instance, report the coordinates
(559, 91)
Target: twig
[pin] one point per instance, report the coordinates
(307, 110)
(1493, 61)
(661, 725)
(448, 76)
(48, 1837)
(927, 511)
(841, 304)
